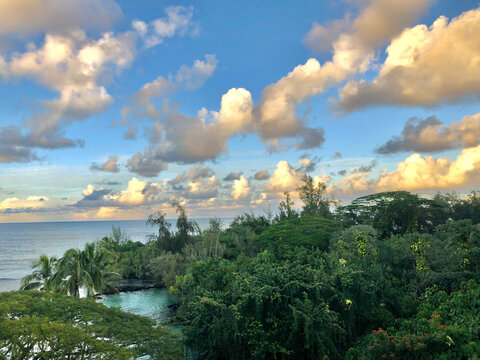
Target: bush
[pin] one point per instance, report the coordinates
(309, 231)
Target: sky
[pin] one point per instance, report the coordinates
(112, 110)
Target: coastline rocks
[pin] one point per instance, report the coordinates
(132, 285)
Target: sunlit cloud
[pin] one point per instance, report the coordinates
(416, 173)
(353, 52)
(110, 165)
(241, 188)
(425, 65)
(31, 203)
(431, 135)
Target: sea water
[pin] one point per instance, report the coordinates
(21, 244)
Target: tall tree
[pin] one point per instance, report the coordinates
(41, 277)
(286, 210)
(97, 261)
(312, 195)
(73, 273)
(164, 239)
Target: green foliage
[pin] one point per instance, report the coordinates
(286, 210)
(306, 231)
(314, 204)
(241, 236)
(261, 308)
(83, 268)
(301, 287)
(88, 268)
(41, 277)
(36, 325)
(394, 213)
(445, 327)
(166, 267)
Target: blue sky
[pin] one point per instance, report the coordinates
(243, 99)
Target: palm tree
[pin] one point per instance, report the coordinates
(84, 269)
(98, 259)
(41, 277)
(73, 274)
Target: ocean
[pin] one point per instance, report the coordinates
(21, 244)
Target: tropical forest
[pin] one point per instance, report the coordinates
(392, 275)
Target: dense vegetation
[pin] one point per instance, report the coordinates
(36, 325)
(392, 275)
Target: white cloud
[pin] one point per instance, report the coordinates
(353, 50)
(31, 203)
(241, 189)
(416, 173)
(187, 77)
(424, 66)
(106, 212)
(72, 65)
(138, 192)
(190, 139)
(177, 22)
(203, 189)
(195, 76)
(284, 179)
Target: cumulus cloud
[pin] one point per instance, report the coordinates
(147, 164)
(30, 204)
(77, 67)
(285, 178)
(177, 22)
(368, 167)
(57, 16)
(93, 196)
(73, 66)
(138, 193)
(202, 189)
(424, 66)
(190, 139)
(187, 140)
(232, 176)
(431, 135)
(261, 175)
(106, 212)
(241, 189)
(416, 173)
(193, 174)
(353, 51)
(110, 165)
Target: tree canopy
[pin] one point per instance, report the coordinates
(38, 325)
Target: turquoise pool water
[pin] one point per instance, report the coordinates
(152, 303)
